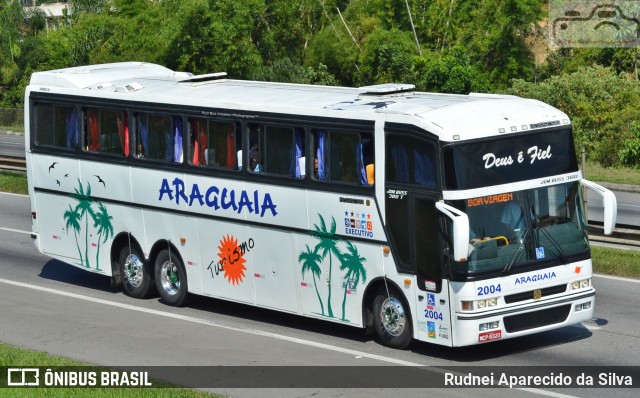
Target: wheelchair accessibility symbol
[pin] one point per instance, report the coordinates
(594, 24)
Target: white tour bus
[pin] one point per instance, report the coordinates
(451, 219)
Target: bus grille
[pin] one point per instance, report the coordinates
(536, 319)
(548, 291)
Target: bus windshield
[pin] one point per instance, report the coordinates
(524, 229)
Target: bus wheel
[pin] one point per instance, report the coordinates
(391, 319)
(136, 279)
(171, 278)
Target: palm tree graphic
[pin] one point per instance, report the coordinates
(73, 221)
(354, 265)
(102, 221)
(84, 208)
(311, 263)
(328, 245)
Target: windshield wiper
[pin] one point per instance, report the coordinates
(517, 253)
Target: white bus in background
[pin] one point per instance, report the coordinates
(450, 219)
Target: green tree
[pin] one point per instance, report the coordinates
(73, 221)
(387, 57)
(354, 265)
(602, 106)
(102, 221)
(311, 263)
(497, 34)
(85, 210)
(328, 246)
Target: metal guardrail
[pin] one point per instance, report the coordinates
(13, 164)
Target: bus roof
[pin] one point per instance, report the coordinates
(451, 116)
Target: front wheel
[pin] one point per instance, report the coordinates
(137, 279)
(171, 278)
(391, 319)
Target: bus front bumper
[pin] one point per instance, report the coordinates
(507, 323)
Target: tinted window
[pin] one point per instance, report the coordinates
(159, 137)
(212, 143)
(410, 161)
(56, 126)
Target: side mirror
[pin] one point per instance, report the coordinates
(460, 230)
(610, 205)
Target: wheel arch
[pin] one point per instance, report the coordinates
(160, 245)
(120, 241)
(370, 294)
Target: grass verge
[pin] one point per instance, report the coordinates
(13, 182)
(616, 262)
(595, 172)
(18, 357)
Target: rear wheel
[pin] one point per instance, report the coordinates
(171, 278)
(391, 319)
(137, 280)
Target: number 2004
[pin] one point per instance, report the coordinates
(491, 289)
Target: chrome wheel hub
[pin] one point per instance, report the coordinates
(134, 270)
(169, 278)
(392, 316)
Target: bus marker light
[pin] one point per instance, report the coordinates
(33, 215)
(183, 241)
(467, 305)
(501, 130)
(386, 250)
(514, 129)
(407, 282)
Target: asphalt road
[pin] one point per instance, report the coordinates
(49, 306)
(11, 144)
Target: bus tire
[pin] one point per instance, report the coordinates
(391, 319)
(171, 279)
(137, 279)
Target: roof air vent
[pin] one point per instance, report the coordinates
(204, 78)
(388, 88)
(102, 86)
(129, 88)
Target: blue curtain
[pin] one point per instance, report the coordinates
(424, 173)
(322, 139)
(177, 146)
(295, 169)
(145, 137)
(362, 175)
(400, 162)
(71, 124)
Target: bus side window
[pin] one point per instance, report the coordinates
(107, 131)
(275, 150)
(56, 126)
(342, 156)
(159, 137)
(212, 143)
(410, 161)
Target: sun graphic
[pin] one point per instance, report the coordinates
(232, 258)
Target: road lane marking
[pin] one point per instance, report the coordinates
(617, 278)
(18, 231)
(257, 332)
(14, 194)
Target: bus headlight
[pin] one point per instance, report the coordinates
(489, 326)
(479, 304)
(581, 284)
